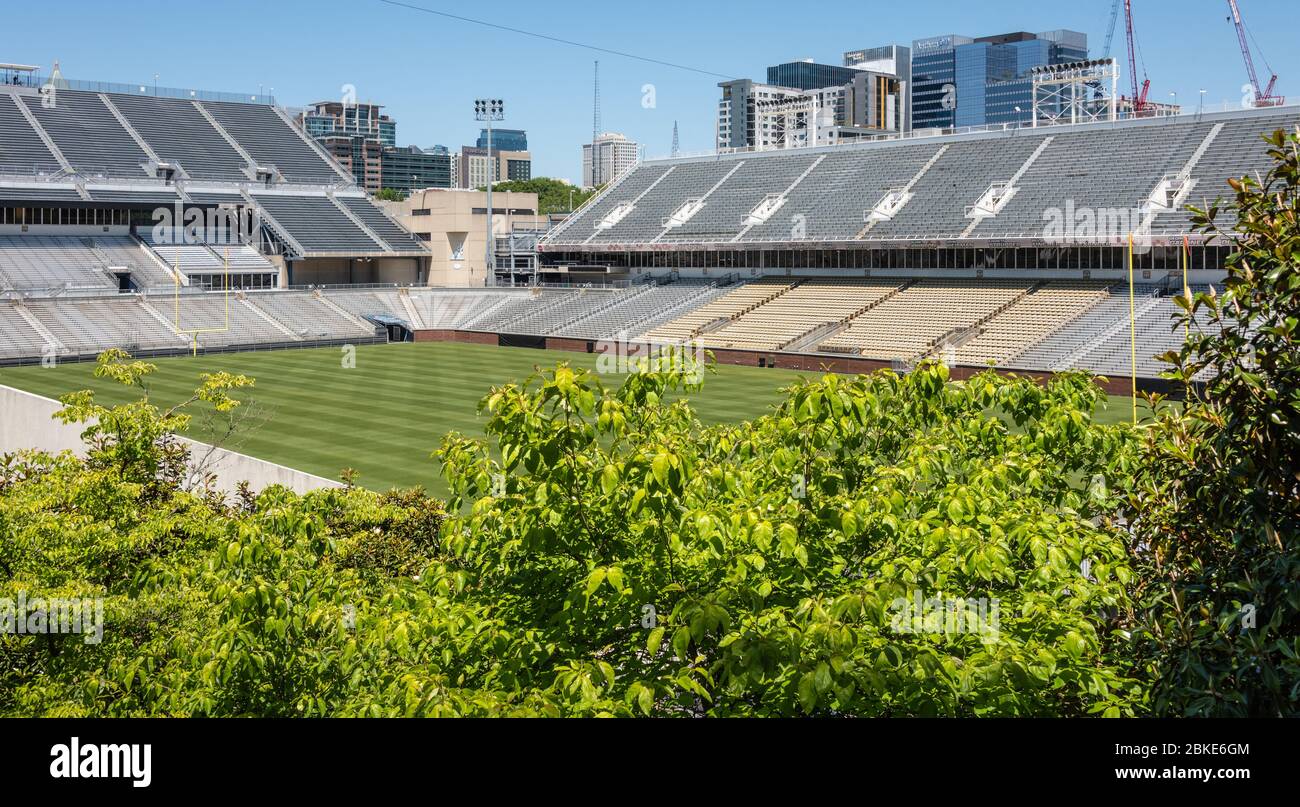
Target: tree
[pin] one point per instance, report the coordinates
(769, 568)
(620, 558)
(553, 195)
(390, 195)
(1217, 504)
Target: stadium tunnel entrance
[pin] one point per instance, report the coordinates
(398, 330)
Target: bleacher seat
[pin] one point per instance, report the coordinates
(178, 133)
(89, 136)
(317, 224)
(913, 321)
(398, 239)
(23, 151)
(270, 141)
(729, 305)
(812, 303)
(1029, 319)
(78, 262)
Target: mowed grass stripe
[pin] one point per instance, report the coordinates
(387, 414)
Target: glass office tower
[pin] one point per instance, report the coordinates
(504, 139)
(809, 75)
(959, 81)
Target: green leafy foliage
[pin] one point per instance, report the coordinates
(619, 558)
(770, 554)
(604, 552)
(1217, 504)
(553, 195)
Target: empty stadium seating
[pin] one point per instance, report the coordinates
(913, 321)
(85, 326)
(1087, 167)
(1121, 176)
(23, 151)
(204, 257)
(1029, 319)
(88, 135)
(372, 303)
(1056, 351)
(813, 303)
(307, 316)
(18, 339)
(446, 308)
(270, 140)
(179, 133)
(647, 307)
(570, 307)
(33, 262)
(690, 180)
(723, 216)
(78, 262)
(832, 201)
(59, 291)
(1234, 153)
(1155, 331)
(502, 317)
(627, 188)
(394, 236)
(733, 303)
(316, 224)
(955, 181)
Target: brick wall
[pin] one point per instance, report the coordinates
(849, 365)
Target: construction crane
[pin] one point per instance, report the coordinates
(1139, 95)
(1110, 30)
(1263, 97)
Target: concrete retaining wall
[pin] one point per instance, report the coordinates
(26, 422)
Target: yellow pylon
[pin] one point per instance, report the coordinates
(1132, 331)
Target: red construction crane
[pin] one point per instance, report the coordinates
(1263, 97)
(1139, 95)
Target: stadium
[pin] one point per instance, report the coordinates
(1007, 248)
(900, 401)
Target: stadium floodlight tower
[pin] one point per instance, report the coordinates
(1076, 92)
(793, 121)
(488, 110)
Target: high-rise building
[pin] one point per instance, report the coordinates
(409, 168)
(607, 158)
(887, 60)
(475, 168)
(737, 111)
(361, 156)
(963, 81)
(808, 75)
(355, 134)
(325, 118)
(806, 103)
(504, 139)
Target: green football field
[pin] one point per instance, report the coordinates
(384, 416)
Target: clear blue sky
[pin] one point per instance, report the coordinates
(427, 70)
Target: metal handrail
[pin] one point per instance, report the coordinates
(927, 134)
(150, 90)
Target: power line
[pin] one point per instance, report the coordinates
(549, 38)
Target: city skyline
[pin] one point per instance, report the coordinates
(421, 87)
